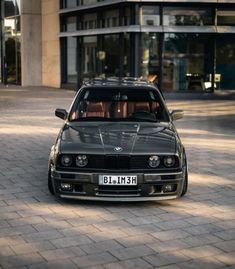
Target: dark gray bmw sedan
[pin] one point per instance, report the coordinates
(118, 143)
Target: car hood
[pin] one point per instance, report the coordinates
(103, 138)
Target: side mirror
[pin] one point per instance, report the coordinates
(61, 113)
(177, 114)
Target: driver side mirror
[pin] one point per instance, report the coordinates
(61, 113)
(177, 114)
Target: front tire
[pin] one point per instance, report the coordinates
(50, 184)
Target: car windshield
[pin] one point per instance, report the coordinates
(118, 104)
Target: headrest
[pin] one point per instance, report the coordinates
(154, 106)
(95, 107)
(142, 106)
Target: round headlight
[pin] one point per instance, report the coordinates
(81, 160)
(169, 161)
(154, 161)
(66, 160)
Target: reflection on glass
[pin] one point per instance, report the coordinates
(226, 17)
(225, 61)
(71, 3)
(17, 4)
(125, 20)
(150, 15)
(71, 24)
(89, 62)
(12, 7)
(126, 63)
(89, 21)
(12, 49)
(13, 71)
(105, 60)
(72, 60)
(185, 62)
(110, 18)
(88, 2)
(187, 16)
(111, 55)
(149, 57)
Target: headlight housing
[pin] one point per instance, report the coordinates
(169, 161)
(81, 160)
(154, 161)
(66, 160)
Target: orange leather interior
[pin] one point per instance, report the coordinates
(119, 109)
(95, 110)
(142, 106)
(154, 106)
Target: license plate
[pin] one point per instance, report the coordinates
(117, 180)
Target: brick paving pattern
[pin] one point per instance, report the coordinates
(39, 231)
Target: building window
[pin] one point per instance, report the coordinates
(125, 19)
(126, 59)
(111, 59)
(187, 61)
(187, 16)
(89, 21)
(111, 18)
(88, 2)
(149, 57)
(226, 17)
(150, 15)
(90, 57)
(12, 38)
(71, 24)
(75, 3)
(71, 3)
(225, 61)
(72, 60)
(12, 8)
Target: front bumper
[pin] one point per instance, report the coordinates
(85, 186)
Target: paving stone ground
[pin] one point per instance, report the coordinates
(40, 231)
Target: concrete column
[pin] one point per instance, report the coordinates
(31, 45)
(51, 71)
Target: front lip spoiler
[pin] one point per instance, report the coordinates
(119, 199)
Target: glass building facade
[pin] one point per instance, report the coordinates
(185, 46)
(182, 45)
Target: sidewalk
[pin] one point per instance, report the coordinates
(40, 231)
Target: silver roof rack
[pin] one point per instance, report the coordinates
(117, 81)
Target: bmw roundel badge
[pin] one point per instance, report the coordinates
(118, 149)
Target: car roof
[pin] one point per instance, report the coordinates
(130, 82)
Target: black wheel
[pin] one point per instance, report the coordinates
(185, 175)
(50, 185)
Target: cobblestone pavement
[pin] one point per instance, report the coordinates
(40, 231)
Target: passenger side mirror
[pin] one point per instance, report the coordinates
(177, 114)
(61, 113)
